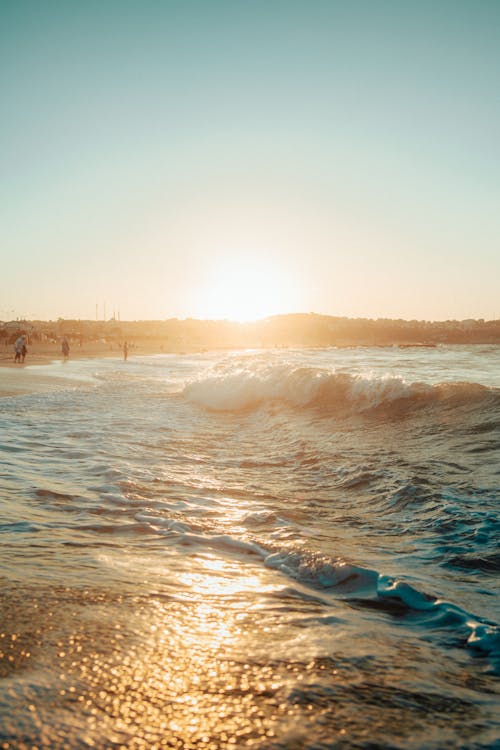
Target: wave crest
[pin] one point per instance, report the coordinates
(248, 387)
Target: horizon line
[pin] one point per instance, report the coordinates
(247, 322)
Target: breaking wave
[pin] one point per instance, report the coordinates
(247, 388)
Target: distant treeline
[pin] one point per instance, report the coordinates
(304, 329)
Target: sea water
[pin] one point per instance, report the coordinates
(266, 549)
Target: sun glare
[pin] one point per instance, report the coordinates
(245, 290)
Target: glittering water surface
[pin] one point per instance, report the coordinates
(286, 549)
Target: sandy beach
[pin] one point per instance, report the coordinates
(29, 377)
(45, 353)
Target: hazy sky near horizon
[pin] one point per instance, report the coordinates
(234, 159)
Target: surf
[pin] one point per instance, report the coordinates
(245, 388)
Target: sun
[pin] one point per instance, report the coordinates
(244, 289)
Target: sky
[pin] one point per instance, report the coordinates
(242, 158)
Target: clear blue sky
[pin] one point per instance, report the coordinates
(236, 159)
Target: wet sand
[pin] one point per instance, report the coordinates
(28, 377)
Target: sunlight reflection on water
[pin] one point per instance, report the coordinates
(179, 577)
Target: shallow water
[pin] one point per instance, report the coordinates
(285, 549)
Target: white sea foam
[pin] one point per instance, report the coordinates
(247, 387)
(236, 387)
(339, 578)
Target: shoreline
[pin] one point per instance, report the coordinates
(46, 354)
(18, 379)
(42, 354)
(22, 378)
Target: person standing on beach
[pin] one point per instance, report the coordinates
(65, 348)
(20, 349)
(125, 351)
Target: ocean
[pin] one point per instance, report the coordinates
(254, 549)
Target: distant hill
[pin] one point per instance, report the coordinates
(301, 329)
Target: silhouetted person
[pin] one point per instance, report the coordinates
(65, 348)
(20, 349)
(125, 351)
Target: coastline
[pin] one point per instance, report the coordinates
(46, 353)
(26, 378)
